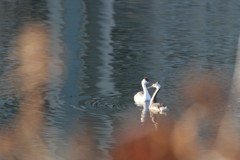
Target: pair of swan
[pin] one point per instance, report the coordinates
(144, 96)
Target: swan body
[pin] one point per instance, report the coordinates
(155, 106)
(142, 96)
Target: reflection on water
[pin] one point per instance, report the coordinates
(152, 117)
(145, 112)
(69, 70)
(106, 22)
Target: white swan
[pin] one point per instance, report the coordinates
(142, 96)
(154, 106)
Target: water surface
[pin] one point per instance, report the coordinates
(96, 54)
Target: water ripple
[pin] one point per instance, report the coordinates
(102, 104)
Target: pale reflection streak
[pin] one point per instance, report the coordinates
(106, 23)
(228, 146)
(56, 51)
(55, 79)
(236, 75)
(99, 26)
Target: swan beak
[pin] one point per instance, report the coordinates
(150, 87)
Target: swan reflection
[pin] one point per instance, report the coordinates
(145, 112)
(148, 115)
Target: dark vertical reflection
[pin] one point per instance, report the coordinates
(96, 80)
(91, 57)
(88, 73)
(73, 34)
(6, 35)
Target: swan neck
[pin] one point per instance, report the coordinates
(145, 90)
(154, 97)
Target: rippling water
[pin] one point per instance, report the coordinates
(69, 69)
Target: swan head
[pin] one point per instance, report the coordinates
(155, 85)
(145, 81)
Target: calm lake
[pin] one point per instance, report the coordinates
(69, 70)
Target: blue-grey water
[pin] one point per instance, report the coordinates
(98, 52)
